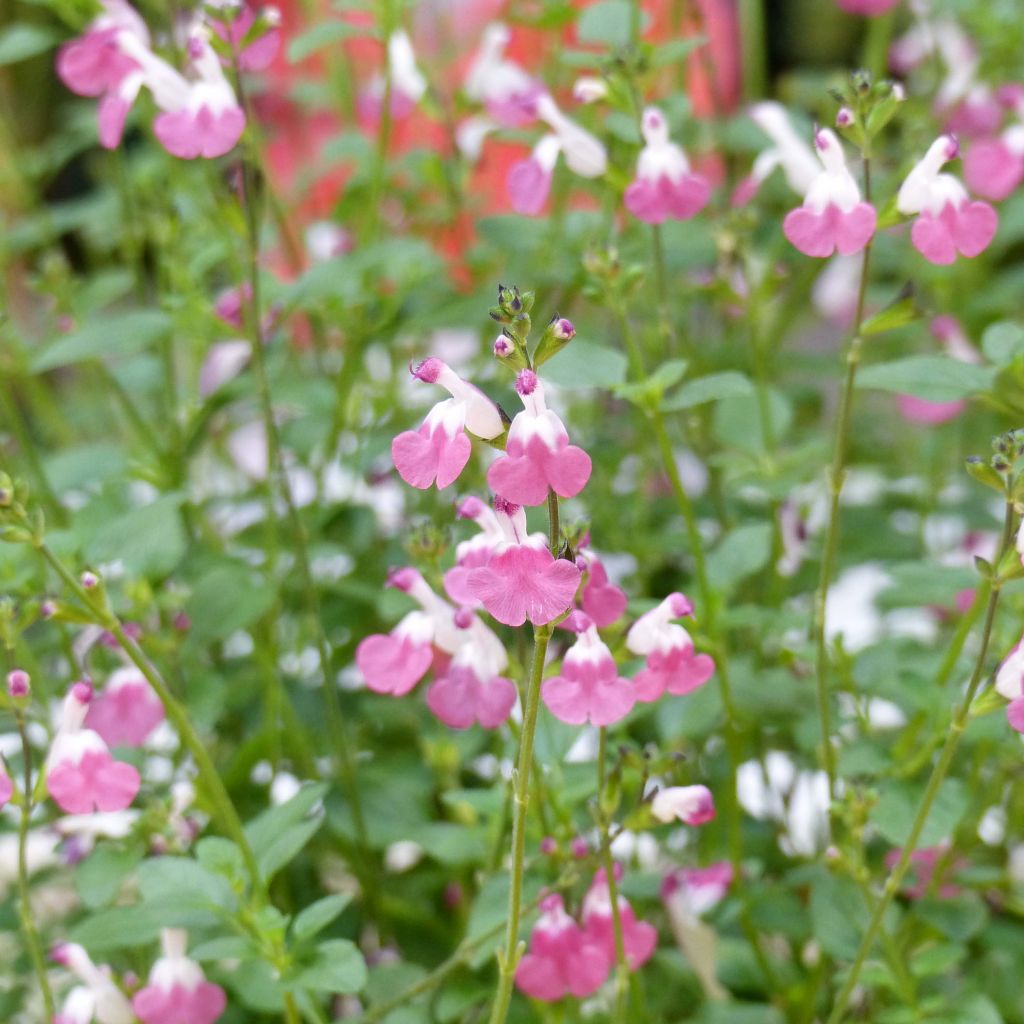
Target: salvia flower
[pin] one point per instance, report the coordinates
(259, 53)
(602, 600)
(395, 662)
(638, 937)
(584, 154)
(673, 666)
(664, 185)
(538, 455)
(472, 553)
(948, 221)
(1010, 684)
(690, 892)
(127, 711)
(97, 998)
(692, 805)
(177, 991)
(562, 959)
(833, 216)
(6, 786)
(529, 180)
(994, 167)
(589, 687)
(81, 774)
(507, 91)
(522, 579)
(438, 451)
(408, 85)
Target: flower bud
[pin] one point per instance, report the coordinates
(558, 333)
(89, 580)
(18, 683)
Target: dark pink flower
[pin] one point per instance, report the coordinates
(127, 710)
(177, 991)
(260, 52)
(692, 805)
(638, 937)
(690, 892)
(529, 180)
(603, 601)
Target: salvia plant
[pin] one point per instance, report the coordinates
(511, 512)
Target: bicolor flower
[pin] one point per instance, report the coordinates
(408, 85)
(690, 892)
(259, 53)
(602, 600)
(584, 154)
(692, 805)
(562, 959)
(126, 711)
(529, 180)
(664, 185)
(438, 451)
(638, 937)
(589, 687)
(472, 553)
(523, 580)
(177, 991)
(81, 774)
(995, 167)
(506, 90)
(395, 662)
(948, 221)
(538, 456)
(97, 998)
(672, 665)
(833, 217)
(788, 151)
(95, 64)
(471, 689)
(1010, 680)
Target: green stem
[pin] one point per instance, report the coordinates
(28, 925)
(508, 958)
(936, 779)
(224, 809)
(836, 476)
(752, 35)
(621, 963)
(553, 526)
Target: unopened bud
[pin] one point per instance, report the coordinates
(18, 683)
(845, 117)
(89, 580)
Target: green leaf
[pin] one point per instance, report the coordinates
(319, 915)
(19, 42)
(181, 879)
(648, 393)
(99, 878)
(740, 554)
(225, 947)
(339, 967)
(226, 599)
(958, 918)
(712, 388)
(934, 378)
(839, 915)
(124, 927)
(1003, 342)
(675, 51)
(149, 541)
(117, 334)
(894, 813)
(737, 421)
(584, 364)
(319, 37)
(607, 22)
(897, 314)
(278, 834)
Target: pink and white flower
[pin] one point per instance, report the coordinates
(664, 185)
(81, 774)
(584, 154)
(260, 52)
(994, 167)
(1010, 680)
(672, 665)
(833, 217)
(690, 892)
(602, 600)
(507, 91)
(408, 86)
(563, 959)
(589, 687)
(529, 181)
(97, 998)
(126, 711)
(177, 991)
(95, 64)
(438, 451)
(692, 805)
(948, 221)
(395, 662)
(788, 151)
(638, 937)
(6, 786)
(538, 456)
(472, 553)
(522, 579)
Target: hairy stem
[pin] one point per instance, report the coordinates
(938, 775)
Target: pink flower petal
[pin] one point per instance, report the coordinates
(528, 185)
(992, 170)
(423, 457)
(393, 664)
(523, 583)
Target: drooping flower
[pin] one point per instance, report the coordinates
(692, 805)
(507, 91)
(522, 579)
(788, 151)
(584, 154)
(177, 991)
(538, 455)
(529, 180)
(395, 662)
(948, 221)
(1010, 680)
(589, 687)
(477, 551)
(562, 959)
(664, 185)
(833, 216)
(993, 168)
(638, 937)
(438, 451)
(81, 774)
(471, 689)
(97, 998)
(690, 892)
(126, 711)
(259, 52)
(408, 85)
(602, 600)
(672, 665)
